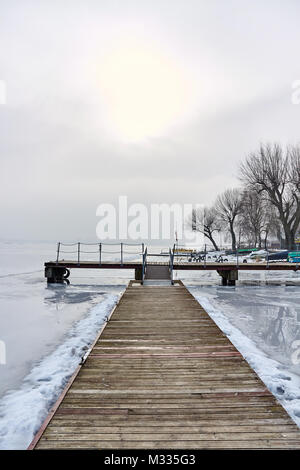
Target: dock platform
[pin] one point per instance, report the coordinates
(161, 374)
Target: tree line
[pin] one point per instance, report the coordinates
(266, 205)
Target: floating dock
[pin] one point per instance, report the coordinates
(58, 271)
(161, 374)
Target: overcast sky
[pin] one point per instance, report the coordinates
(154, 99)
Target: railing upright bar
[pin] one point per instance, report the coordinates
(172, 280)
(205, 255)
(78, 253)
(144, 265)
(100, 253)
(121, 254)
(171, 264)
(57, 255)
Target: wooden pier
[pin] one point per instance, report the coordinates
(58, 271)
(161, 374)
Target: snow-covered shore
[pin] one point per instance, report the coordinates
(23, 411)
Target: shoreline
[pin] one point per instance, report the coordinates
(23, 410)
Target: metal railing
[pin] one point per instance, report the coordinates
(205, 257)
(78, 249)
(103, 252)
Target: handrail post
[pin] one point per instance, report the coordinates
(268, 264)
(205, 256)
(237, 257)
(143, 268)
(171, 264)
(100, 253)
(121, 254)
(58, 249)
(144, 258)
(78, 253)
(172, 268)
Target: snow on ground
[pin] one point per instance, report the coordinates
(23, 411)
(285, 386)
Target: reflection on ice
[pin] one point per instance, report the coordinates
(268, 315)
(36, 317)
(22, 411)
(64, 294)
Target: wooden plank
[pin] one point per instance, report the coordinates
(195, 413)
(147, 422)
(282, 443)
(228, 418)
(162, 374)
(169, 436)
(217, 429)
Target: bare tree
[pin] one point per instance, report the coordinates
(275, 175)
(205, 221)
(252, 217)
(258, 219)
(245, 232)
(271, 223)
(228, 207)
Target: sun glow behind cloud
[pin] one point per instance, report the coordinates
(145, 92)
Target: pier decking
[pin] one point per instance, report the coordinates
(163, 375)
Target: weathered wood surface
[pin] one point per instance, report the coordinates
(163, 375)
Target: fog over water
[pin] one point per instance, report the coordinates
(155, 100)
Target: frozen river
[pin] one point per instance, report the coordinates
(268, 314)
(44, 330)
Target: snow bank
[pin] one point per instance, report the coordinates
(23, 411)
(285, 386)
